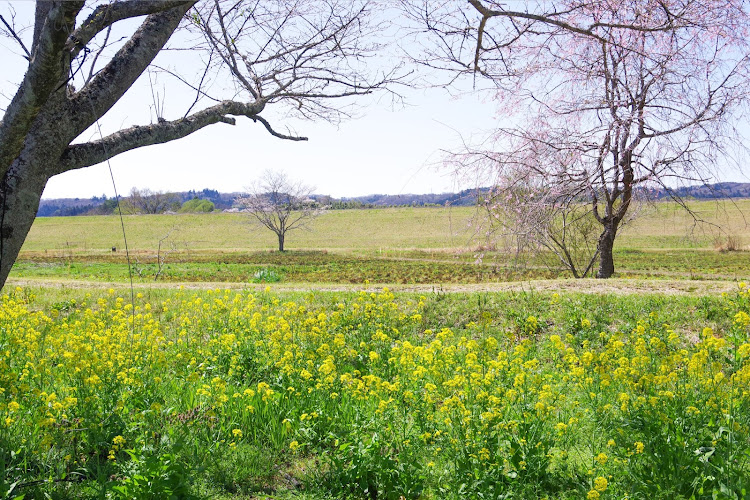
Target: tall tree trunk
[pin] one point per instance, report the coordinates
(606, 246)
(19, 196)
(281, 242)
(22, 184)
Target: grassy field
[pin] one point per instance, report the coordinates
(283, 387)
(334, 230)
(386, 246)
(666, 225)
(658, 226)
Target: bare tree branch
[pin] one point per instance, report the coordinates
(13, 33)
(104, 16)
(99, 53)
(299, 55)
(106, 88)
(277, 134)
(91, 153)
(198, 90)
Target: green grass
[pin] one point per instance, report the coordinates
(666, 225)
(293, 267)
(659, 226)
(418, 268)
(337, 229)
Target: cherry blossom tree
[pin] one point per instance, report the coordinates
(308, 58)
(597, 101)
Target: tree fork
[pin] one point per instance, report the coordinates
(41, 121)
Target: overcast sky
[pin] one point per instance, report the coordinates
(387, 150)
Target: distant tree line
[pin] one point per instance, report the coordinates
(61, 210)
(467, 197)
(208, 200)
(139, 201)
(145, 201)
(721, 190)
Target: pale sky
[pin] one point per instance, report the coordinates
(386, 150)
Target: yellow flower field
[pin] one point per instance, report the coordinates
(102, 399)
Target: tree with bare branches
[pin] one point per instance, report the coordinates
(299, 56)
(599, 101)
(280, 204)
(146, 201)
(539, 220)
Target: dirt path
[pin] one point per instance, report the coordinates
(611, 286)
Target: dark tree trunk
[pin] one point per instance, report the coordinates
(20, 199)
(22, 185)
(281, 242)
(606, 246)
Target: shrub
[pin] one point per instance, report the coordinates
(197, 206)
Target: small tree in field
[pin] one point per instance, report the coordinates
(599, 100)
(280, 204)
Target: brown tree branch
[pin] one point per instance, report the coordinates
(106, 15)
(265, 123)
(589, 31)
(15, 35)
(91, 153)
(297, 54)
(111, 83)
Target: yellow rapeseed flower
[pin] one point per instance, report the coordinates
(600, 484)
